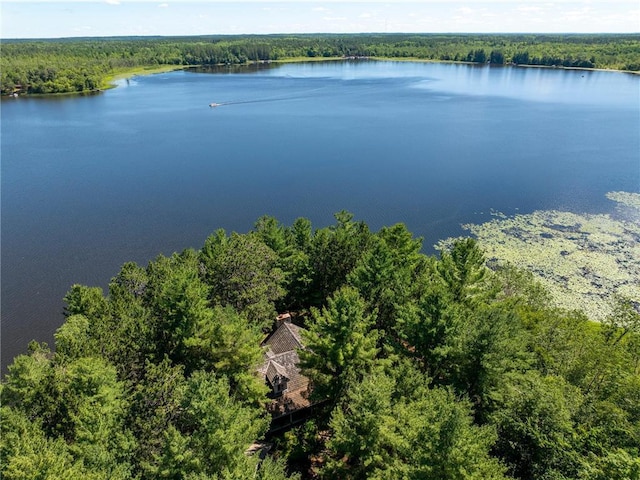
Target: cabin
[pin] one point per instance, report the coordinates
(280, 369)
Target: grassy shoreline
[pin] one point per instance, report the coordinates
(109, 81)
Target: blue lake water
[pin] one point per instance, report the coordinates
(146, 168)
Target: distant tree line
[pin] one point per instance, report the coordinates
(81, 65)
(429, 368)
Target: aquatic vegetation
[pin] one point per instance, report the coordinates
(625, 198)
(583, 259)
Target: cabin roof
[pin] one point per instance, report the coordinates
(286, 338)
(274, 369)
(281, 359)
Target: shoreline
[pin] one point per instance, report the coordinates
(462, 62)
(162, 69)
(110, 80)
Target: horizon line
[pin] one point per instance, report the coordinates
(79, 37)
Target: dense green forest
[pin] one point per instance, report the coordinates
(427, 368)
(86, 64)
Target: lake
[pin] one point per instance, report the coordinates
(90, 182)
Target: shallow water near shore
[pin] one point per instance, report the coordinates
(147, 168)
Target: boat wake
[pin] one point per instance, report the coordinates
(278, 98)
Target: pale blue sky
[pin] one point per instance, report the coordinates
(50, 19)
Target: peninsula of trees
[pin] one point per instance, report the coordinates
(424, 368)
(87, 64)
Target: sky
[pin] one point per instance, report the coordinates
(81, 18)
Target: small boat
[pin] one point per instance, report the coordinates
(214, 105)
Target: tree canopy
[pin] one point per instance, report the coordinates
(426, 367)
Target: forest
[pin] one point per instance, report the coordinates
(88, 64)
(423, 367)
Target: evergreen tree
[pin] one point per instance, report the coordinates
(243, 273)
(426, 434)
(341, 344)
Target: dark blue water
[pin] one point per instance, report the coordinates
(91, 182)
